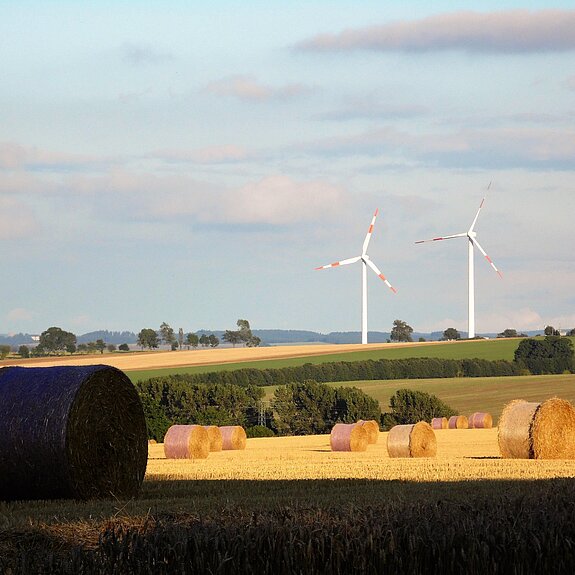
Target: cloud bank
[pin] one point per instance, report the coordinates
(510, 31)
(247, 88)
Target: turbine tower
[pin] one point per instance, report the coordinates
(472, 243)
(365, 261)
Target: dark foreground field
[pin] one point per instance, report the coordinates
(311, 526)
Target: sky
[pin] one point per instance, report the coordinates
(192, 163)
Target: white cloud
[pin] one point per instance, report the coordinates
(245, 87)
(509, 31)
(20, 314)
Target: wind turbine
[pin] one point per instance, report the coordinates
(471, 236)
(365, 261)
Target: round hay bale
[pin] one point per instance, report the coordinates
(215, 437)
(348, 437)
(529, 430)
(75, 432)
(416, 440)
(233, 437)
(439, 423)
(480, 420)
(458, 422)
(372, 429)
(186, 442)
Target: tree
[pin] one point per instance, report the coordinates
(408, 406)
(24, 351)
(550, 330)
(167, 334)
(451, 333)
(204, 340)
(401, 331)
(111, 347)
(246, 335)
(124, 347)
(571, 333)
(232, 337)
(181, 338)
(56, 340)
(148, 338)
(508, 333)
(213, 340)
(4, 351)
(553, 354)
(192, 340)
(100, 345)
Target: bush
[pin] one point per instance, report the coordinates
(259, 431)
(552, 354)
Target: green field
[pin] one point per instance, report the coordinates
(470, 394)
(483, 349)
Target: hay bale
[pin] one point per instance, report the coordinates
(480, 420)
(75, 432)
(233, 437)
(152, 442)
(439, 423)
(416, 440)
(348, 437)
(458, 422)
(186, 442)
(529, 430)
(372, 429)
(215, 437)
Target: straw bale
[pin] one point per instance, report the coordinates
(480, 420)
(215, 437)
(439, 423)
(186, 442)
(415, 440)
(458, 422)
(372, 429)
(530, 430)
(75, 432)
(152, 442)
(348, 437)
(233, 437)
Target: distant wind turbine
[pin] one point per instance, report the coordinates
(366, 261)
(471, 236)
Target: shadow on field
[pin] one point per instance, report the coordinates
(313, 526)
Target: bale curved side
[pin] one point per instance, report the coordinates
(186, 442)
(70, 432)
(439, 423)
(233, 437)
(553, 430)
(348, 437)
(514, 432)
(215, 437)
(372, 429)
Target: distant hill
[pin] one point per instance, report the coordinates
(117, 337)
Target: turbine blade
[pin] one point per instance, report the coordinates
(378, 272)
(476, 243)
(442, 238)
(369, 232)
(477, 214)
(340, 263)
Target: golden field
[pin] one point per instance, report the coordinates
(462, 454)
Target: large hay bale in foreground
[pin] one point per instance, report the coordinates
(214, 437)
(233, 437)
(186, 442)
(439, 423)
(348, 437)
(480, 420)
(529, 430)
(372, 429)
(75, 432)
(458, 422)
(415, 440)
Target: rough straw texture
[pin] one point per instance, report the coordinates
(458, 422)
(372, 429)
(348, 437)
(215, 437)
(417, 440)
(70, 432)
(186, 442)
(537, 430)
(439, 423)
(480, 420)
(233, 436)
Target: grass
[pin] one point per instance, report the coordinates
(483, 349)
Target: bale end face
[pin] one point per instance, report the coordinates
(372, 429)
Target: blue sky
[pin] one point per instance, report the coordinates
(193, 163)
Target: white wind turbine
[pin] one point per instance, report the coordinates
(471, 236)
(366, 261)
